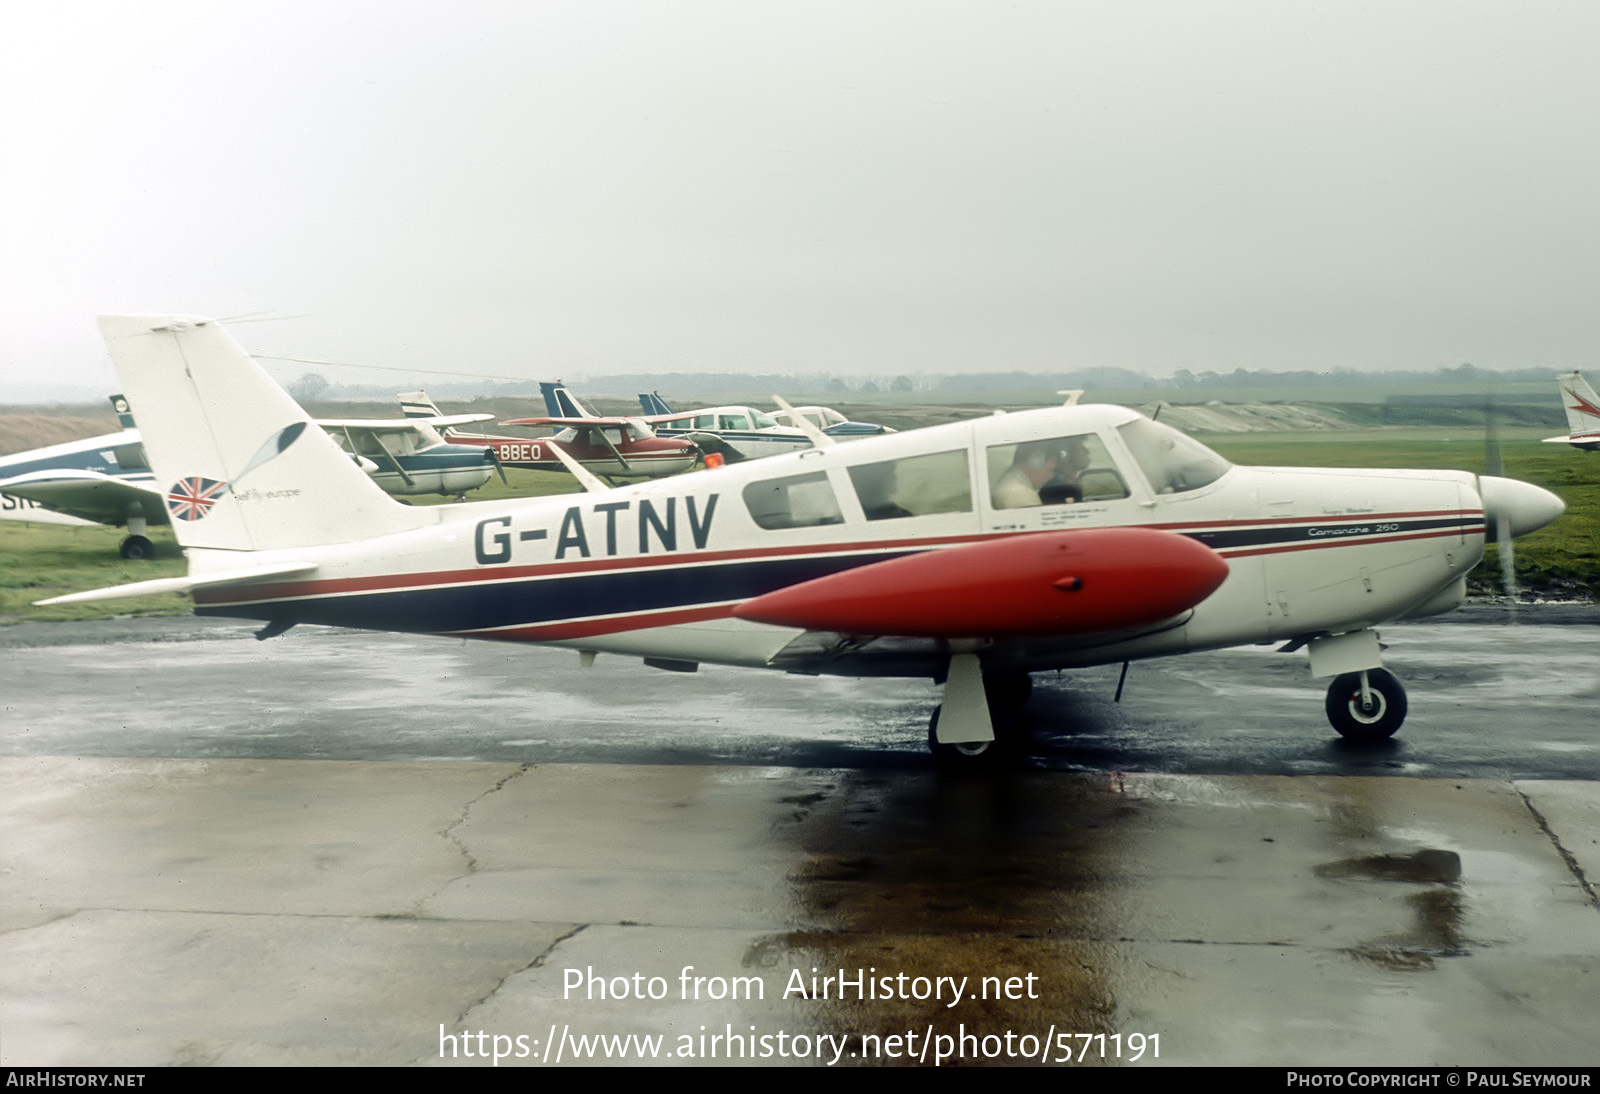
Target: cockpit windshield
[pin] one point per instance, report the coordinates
(1173, 462)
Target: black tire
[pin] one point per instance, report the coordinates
(137, 547)
(970, 756)
(1377, 723)
(1007, 747)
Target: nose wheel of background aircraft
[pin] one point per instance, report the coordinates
(1374, 719)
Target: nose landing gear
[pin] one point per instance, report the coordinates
(1366, 706)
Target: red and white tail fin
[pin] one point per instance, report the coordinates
(244, 467)
(1582, 406)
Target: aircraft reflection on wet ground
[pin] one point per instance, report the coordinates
(1496, 711)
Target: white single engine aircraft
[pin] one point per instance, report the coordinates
(409, 456)
(1583, 413)
(96, 480)
(972, 553)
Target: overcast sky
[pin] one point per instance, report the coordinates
(542, 189)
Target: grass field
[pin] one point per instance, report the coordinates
(39, 561)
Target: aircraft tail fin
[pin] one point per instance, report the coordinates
(124, 415)
(561, 403)
(653, 403)
(1582, 406)
(417, 404)
(243, 466)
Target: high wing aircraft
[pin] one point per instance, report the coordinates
(955, 552)
(1583, 413)
(97, 480)
(745, 433)
(409, 456)
(601, 445)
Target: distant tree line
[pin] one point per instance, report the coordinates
(315, 387)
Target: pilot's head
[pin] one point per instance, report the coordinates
(1075, 457)
(1038, 460)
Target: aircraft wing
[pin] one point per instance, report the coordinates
(91, 495)
(574, 423)
(402, 425)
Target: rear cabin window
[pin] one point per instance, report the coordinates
(914, 487)
(799, 501)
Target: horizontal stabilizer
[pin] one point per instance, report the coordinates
(180, 584)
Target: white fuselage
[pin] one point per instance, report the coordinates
(655, 569)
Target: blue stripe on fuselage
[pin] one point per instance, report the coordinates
(551, 599)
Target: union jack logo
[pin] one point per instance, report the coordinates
(192, 498)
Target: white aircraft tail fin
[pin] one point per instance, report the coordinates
(417, 404)
(243, 466)
(1582, 405)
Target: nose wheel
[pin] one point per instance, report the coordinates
(1366, 706)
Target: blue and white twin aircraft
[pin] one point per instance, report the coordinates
(972, 553)
(97, 480)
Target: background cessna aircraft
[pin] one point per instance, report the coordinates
(745, 433)
(601, 445)
(408, 455)
(1583, 412)
(927, 553)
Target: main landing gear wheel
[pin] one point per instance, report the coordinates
(137, 547)
(1375, 720)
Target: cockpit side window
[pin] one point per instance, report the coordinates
(914, 487)
(1053, 472)
(799, 501)
(1173, 462)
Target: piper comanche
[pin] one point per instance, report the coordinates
(973, 553)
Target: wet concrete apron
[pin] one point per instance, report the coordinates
(287, 911)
